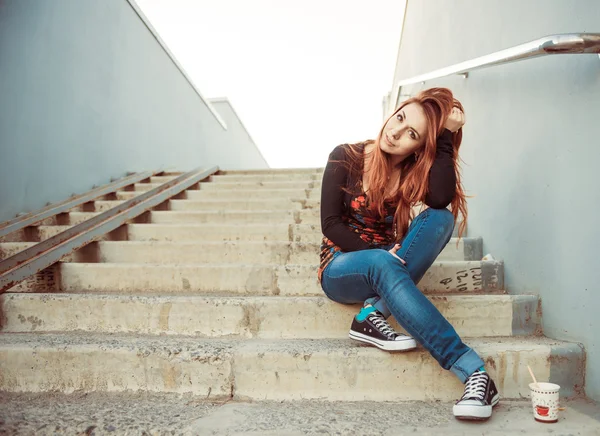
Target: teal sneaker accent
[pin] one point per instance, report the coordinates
(364, 312)
(482, 369)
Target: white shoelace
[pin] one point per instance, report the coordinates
(476, 384)
(382, 325)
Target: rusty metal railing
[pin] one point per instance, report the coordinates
(44, 254)
(35, 217)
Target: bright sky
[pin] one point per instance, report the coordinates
(304, 76)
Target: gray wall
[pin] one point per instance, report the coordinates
(88, 93)
(531, 148)
(248, 156)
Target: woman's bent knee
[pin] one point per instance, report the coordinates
(443, 215)
(444, 220)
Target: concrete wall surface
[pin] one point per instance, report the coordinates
(531, 148)
(239, 141)
(87, 93)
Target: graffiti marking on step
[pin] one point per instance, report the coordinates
(464, 280)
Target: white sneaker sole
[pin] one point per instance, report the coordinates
(475, 412)
(403, 345)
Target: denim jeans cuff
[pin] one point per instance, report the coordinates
(466, 365)
(382, 307)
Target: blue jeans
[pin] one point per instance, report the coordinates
(377, 277)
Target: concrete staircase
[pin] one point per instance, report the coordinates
(214, 293)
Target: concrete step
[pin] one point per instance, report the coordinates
(238, 194)
(467, 249)
(250, 178)
(187, 232)
(239, 204)
(260, 252)
(124, 413)
(248, 279)
(337, 370)
(257, 178)
(268, 217)
(307, 184)
(160, 413)
(273, 171)
(271, 369)
(224, 232)
(280, 195)
(306, 233)
(144, 187)
(210, 204)
(281, 253)
(109, 363)
(247, 317)
(308, 216)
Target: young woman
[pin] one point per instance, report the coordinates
(371, 255)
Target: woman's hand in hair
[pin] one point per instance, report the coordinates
(393, 251)
(455, 120)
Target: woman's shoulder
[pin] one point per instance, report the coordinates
(344, 151)
(341, 150)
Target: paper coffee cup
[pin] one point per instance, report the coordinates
(544, 399)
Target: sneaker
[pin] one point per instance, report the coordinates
(371, 327)
(479, 398)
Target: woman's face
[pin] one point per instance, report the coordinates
(404, 133)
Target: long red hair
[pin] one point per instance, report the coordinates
(437, 103)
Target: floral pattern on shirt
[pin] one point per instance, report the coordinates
(369, 225)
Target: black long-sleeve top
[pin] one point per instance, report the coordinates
(336, 204)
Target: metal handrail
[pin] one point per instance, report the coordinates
(44, 254)
(565, 43)
(36, 216)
